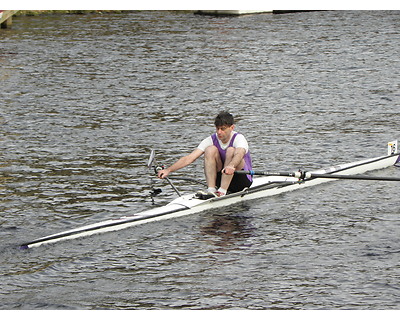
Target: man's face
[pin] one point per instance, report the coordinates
(224, 132)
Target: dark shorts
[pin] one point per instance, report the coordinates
(239, 182)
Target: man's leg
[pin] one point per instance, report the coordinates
(227, 179)
(212, 164)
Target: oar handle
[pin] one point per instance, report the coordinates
(267, 173)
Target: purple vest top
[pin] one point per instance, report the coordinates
(222, 153)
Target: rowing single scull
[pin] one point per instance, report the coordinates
(269, 184)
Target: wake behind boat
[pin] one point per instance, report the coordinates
(269, 184)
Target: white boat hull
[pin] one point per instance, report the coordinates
(188, 204)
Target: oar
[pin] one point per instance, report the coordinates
(351, 177)
(308, 175)
(173, 187)
(152, 162)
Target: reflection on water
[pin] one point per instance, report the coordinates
(228, 229)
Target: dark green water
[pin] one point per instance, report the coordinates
(85, 97)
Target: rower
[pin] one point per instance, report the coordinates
(225, 152)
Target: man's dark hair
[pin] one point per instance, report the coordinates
(224, 119)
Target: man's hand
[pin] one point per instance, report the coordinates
(163, 173)
(229, 170)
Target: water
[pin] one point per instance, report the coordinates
(85, 97)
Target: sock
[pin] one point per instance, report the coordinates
(222, 191)
(211, 189)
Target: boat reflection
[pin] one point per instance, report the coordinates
(227, 230)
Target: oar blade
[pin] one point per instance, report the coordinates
(151, 158)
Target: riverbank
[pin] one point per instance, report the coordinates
(47, 12)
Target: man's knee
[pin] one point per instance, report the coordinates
(212, 156)
(230, 152)
(211, 151)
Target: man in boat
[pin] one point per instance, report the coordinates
(224, 152)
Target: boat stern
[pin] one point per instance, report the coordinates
(392, 150)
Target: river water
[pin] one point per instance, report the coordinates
(84, 98)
